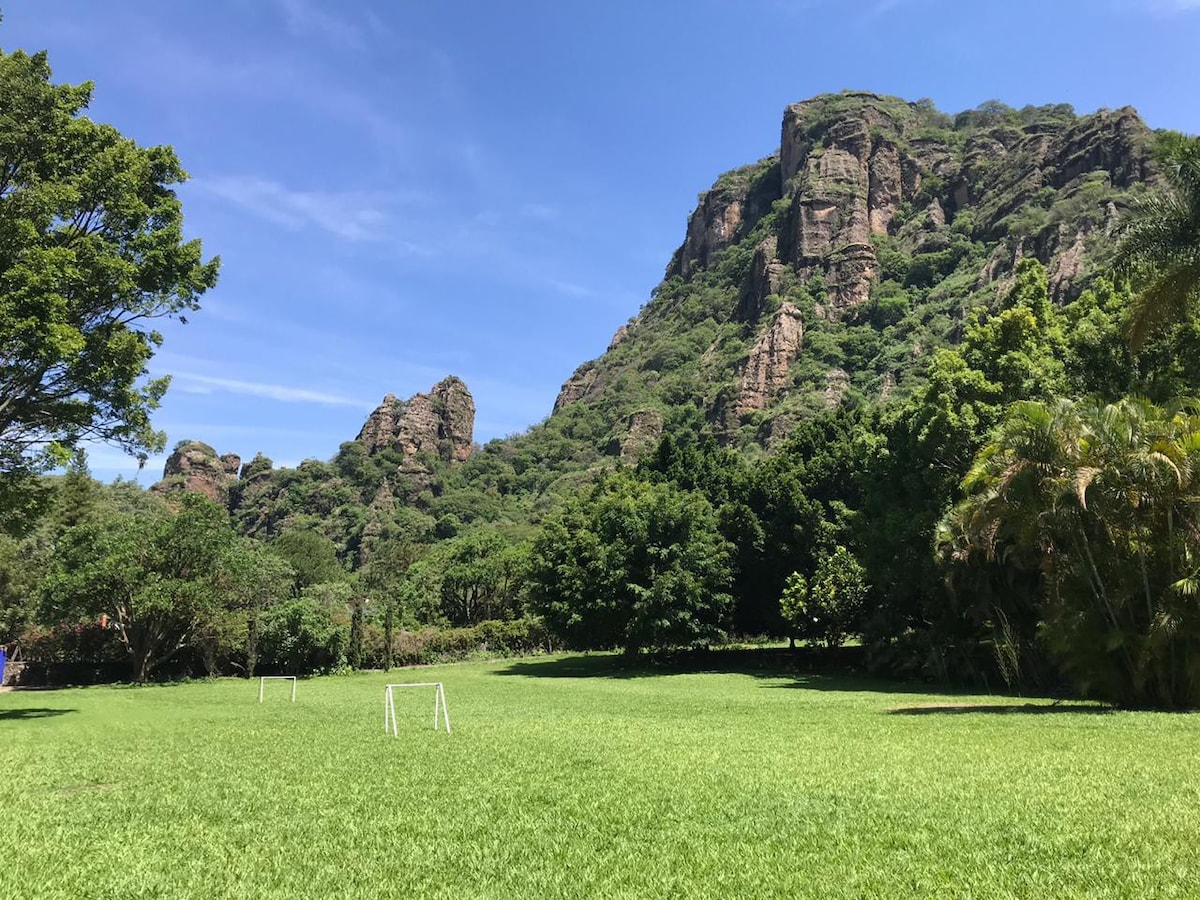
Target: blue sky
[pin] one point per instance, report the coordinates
(405, 189)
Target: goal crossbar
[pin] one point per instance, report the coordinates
(263, 679)
(439, 705)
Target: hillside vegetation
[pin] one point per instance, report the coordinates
(885, 381)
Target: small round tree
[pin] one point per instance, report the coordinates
(793, 606)
(838, 592)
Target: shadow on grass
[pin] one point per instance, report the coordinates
(1002, 709)
(32, 713)
(814, 671)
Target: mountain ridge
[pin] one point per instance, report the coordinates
(824, 274)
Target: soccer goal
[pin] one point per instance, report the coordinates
(389, 705)
(262, 683)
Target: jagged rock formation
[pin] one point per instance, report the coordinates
(766, 278)
(195, 466)
(735, 204)
(766, 371)
(866, 195)
(577, 387)
(583, 384)
(440, 423)
(850, 165)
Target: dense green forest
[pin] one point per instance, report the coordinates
(914, 380)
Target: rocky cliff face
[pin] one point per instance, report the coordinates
(440, 423)
(771, 358)
(195, 466)
(852, 167)
(867, 197)
(826, 274)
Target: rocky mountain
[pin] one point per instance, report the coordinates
(823, 275)
(826, 272)
(401, 449)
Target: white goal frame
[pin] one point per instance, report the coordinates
(389, 705)
(263, 679)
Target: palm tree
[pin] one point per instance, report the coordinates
(1160, 245)
(1104, 500)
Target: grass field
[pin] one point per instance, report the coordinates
(562, 778)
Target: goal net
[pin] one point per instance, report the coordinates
(439, 705)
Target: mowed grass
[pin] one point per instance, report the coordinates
(563, 779)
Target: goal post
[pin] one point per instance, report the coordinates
(439, 705)
(262, 683)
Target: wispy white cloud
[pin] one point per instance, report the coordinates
(350, 215)
(570, 288)
(192, 383)
(306, 18)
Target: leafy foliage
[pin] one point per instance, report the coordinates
(1101, 499)
(152, 576)
(1160, 246)
(91, 253)
(634, 565)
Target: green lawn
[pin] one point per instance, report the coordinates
(561, 780)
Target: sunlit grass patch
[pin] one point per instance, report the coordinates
(573, 777)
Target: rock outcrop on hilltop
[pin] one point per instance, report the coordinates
(869, 199)
(425, 431)
(195, 466)
(854, 166)
(440, 423)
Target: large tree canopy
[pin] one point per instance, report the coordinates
(155, 576)
(91, 253)
(635, 565)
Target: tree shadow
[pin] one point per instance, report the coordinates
(1003, 709)
(32, 713)
(808, 668)
(581, 667)
(821, 671)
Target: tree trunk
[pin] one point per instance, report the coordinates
(251, 644)
(354, 656)
(141, 667)
(389, 626)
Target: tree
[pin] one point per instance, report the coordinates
(793, 606)
(1102, 500)
(91, 254)
(154, 576)
(382, 576)
(835, 599)
(252, 581)
(312, 556)
(308, 633)
(633, 565)
(482, 573)
(1160, 247)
